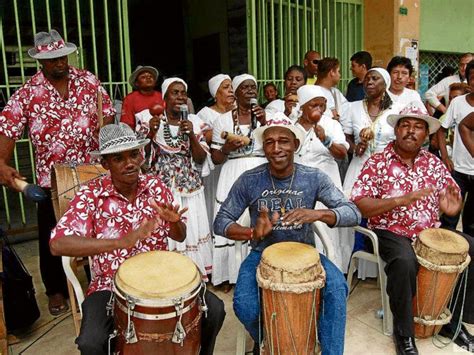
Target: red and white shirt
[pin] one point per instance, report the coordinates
(99, 211)
(62, 130)
(384, 175)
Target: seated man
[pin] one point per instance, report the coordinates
(116, 217)
(288, 192)
(401, 191)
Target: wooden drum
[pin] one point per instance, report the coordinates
(157, 307)
(291, 276)
(442, 256)
(66, 180)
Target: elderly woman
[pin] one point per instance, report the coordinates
(220, 88)
(238, 153)
(295, 77)
(179, 152)
(324, 143)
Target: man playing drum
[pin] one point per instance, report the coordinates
(281, 196)
(401, 191)
(59, 107)
(114, 218)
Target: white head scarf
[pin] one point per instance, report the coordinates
(168, 82)
(215, 82)
(308, 92)
(239, 79)
(385, 75)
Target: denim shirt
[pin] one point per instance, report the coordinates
(254, 189)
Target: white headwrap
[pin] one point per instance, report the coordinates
(385, 75)
(215, 82)
(241, 78)
(308, 92)
(168, 82)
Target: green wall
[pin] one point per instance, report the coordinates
(447, 26)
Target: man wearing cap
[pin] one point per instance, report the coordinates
(281, 196)
(402, 191)
(113, 218)
(58, 107)
(144, 96)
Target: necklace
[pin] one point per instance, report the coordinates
(282, 206)
(237, 129)
(172, 141)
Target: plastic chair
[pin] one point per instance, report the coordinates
(76, 293)
(387, 318)
(329, 252)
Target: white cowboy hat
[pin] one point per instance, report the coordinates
(414, 110)
(50, 45)
(116, 138)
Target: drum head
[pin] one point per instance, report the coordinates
(441, 246)
(290, 256)
(157, 275)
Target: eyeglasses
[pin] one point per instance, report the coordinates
(315, 61)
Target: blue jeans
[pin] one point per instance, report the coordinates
(332, 313)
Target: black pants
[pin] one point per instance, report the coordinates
(402, 268)
(51, 268)
(97, 325)
(466, 184)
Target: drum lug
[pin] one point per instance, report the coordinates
(110, 306)
(130, 334)
(111, 336)
(179, 332)
(204, 307)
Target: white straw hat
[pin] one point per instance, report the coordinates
(116, 138)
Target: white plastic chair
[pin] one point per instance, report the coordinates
(76, 293)
(319, 232)
(387, 318)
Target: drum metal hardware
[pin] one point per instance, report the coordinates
(110, 306)
(204, 307)
(130, 333)
(179, 332)
(109, 341)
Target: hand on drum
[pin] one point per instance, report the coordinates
(144, 231)
(299, 216)
(168, 212)
(264, 225)
(450, 201)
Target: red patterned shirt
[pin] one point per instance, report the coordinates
(61, 130)
(99, 211)
(384, 175)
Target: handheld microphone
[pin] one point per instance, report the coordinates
(183, 109)
(253, 116)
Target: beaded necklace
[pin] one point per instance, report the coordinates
(237, 129)
(172, 141)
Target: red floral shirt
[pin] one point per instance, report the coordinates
(384, 175)
(99, 211)
(61, 130)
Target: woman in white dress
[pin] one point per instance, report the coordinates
(400, 70)
(367, 132)
(235, 157)
(220, 88)
(324, 143)
(179, 153)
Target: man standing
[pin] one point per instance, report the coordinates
(441, 90)
(402, 191)
(281, 197)
(58, 107)
(310, 63)
(115, 217)
(143, 80)
(462, 165)
(361, 62)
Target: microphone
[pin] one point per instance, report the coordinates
(183, 109)
(253, 116)
(31, 191)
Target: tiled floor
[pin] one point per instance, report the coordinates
(51, 335)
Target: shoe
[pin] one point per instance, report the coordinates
(405, 345)
(57, 304)
(464, 339)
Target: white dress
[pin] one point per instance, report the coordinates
(209, 116)
(224, 263)
(314, 154)
(278, 105)
(357, 119)
(173, 163)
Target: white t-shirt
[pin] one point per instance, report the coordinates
(457, 110)
(406, 97)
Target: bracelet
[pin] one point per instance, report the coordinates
(327, 142)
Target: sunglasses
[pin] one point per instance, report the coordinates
(315, 61)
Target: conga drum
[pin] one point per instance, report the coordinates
(157, 308)
(66, 180)
(442, 256)
(291, 276)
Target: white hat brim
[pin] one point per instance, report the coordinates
(298, 132)
(57, 53)
(121, 148)
(433, 123)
